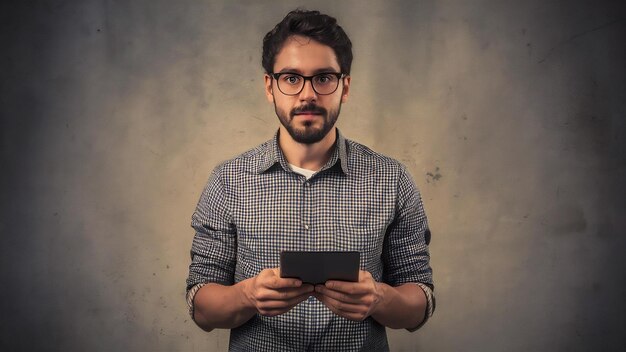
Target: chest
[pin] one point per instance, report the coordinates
(331, 213)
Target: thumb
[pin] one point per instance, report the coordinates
(275, 271)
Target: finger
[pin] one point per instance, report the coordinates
(345, 307)
(351, 288)
(298, 300)
(277, 282)
(366, 301)
(351, 314)
(285, 281)
(271, 278)
(309, 287)
(337, 295)
(282, 304)
(365, 275)
(287, 293)
(273, 308)
(268, 294)
(293, 295)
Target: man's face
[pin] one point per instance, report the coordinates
(307, 116)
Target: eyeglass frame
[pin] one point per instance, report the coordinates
(339, 76)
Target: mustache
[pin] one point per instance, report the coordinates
(310, 107)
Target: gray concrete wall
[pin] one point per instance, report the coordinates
(510, 116)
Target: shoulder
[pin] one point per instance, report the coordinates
(249, 161)
(362, 159)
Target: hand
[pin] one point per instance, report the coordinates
(351, 300)
(272, 295)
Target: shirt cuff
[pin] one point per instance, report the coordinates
(430, 305)
(191, 294)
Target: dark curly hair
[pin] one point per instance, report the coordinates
(311, 24)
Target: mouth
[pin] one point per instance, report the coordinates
(309, 111)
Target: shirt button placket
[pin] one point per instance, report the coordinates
(306, 210)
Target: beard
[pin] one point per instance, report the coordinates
(309, 133)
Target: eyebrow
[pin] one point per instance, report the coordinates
(319, 70)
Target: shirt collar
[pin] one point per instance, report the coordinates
(274, 155)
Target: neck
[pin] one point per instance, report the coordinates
(307, 156)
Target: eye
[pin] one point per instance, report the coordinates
(291, 79)
(324, 78)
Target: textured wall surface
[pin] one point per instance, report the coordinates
(510, 115)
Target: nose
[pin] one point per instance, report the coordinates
(308, 93)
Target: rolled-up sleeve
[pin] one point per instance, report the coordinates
(214, 246)
(405, 252)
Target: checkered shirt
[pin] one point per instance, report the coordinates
(254, 206)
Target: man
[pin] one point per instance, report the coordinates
(309, 188)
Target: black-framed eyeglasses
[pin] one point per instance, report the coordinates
(325, 83)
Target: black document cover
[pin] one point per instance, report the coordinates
(318, 267)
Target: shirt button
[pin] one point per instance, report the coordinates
(306, 227)
(307, 184)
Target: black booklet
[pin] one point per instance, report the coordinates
(317, 267)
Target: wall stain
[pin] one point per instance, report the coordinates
(433, 176)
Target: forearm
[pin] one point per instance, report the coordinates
(401, 307)
(219, 306)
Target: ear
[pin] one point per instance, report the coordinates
(269, 91)
(346, 89)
